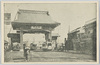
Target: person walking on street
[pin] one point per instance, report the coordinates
(27, 50)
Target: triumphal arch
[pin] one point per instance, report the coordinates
(32, 21)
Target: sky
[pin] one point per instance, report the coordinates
(70, 15)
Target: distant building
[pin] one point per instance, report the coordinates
(7, 18)
(14, 38)
(72, 39)
(83, 39)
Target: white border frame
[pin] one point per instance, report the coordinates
(2, 32)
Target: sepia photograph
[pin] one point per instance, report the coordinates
(50, 32)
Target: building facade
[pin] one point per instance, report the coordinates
(83, 39)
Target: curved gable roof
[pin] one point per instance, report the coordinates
(33, 16)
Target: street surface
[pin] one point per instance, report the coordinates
(17, 56)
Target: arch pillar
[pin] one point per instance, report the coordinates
(21, 40)
(48, 36)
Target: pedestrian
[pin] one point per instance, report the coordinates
(24, 49)
(27, 50)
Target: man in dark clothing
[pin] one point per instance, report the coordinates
(66, 46)
(26, 51)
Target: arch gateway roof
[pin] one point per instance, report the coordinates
(33, 18)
